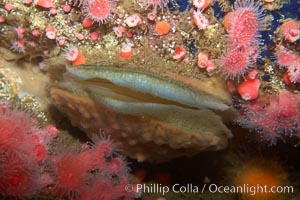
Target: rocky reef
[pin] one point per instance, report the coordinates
(183, 84)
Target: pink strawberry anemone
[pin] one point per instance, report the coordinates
(248, 19)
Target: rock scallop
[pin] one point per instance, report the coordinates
(152, 117)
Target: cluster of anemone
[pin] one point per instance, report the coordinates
(278, 115)
(243, 25)
(290, 61)
(287, 59)
(101, 174)
(29, 166)
(24, 148)
(274, 117)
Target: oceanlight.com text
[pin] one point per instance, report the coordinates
(212, 188)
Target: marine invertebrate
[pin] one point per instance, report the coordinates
(201, 4)
(234, 64)
(252, 51)
(20, 31)
(290, 30)
(45, 3)
(50, 32)
(273, 117)
(293, 70)
(247, 21)
(102, 172)
(75, 56)
(8, 6)
(67, 8)
(205, 63)
(119, 30)
(98, 10)
(252, 74)
(18, 46)
(151, 16)
(20, 133)
(262, 173)
(133, 20)
(2, 19)
(35, 33)
(202, 60)
(71, 53)
(289, 60)
(211, 67)
(24, 147)
(200, 20)
(249, 89)
(243, 25)
(94, 36)
(87, 22)
(179, 53)
(285, 57)
(19, 176)
(162, 27)
(148, 109)
(80, 60)
(70, 176)
(227, 21)
(126, 51)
